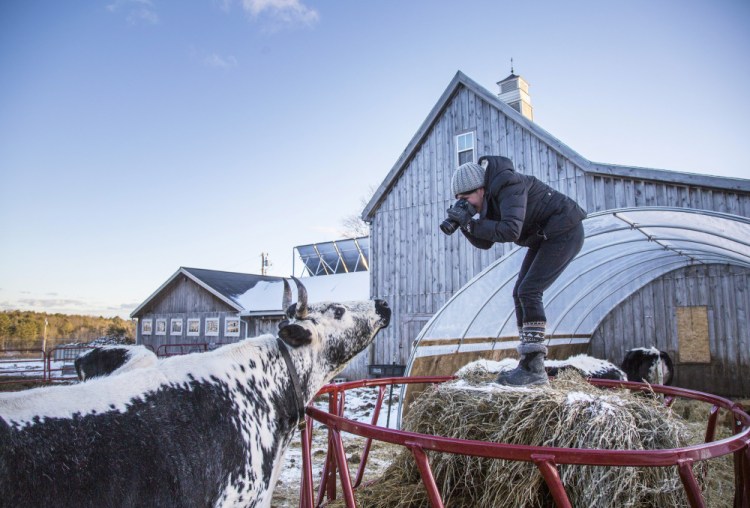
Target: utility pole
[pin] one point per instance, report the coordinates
(264, 263)
(44, 337)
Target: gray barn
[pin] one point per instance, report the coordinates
(418, 269)
(198, 309)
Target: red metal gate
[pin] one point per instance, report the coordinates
(545, 458)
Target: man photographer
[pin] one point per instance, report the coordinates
(519, 208)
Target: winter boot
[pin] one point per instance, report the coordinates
(532, 351)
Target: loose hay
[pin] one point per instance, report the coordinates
(569, 413)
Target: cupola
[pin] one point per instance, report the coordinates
(514, 91)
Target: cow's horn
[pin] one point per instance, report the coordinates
(286, 300)
(301, 299)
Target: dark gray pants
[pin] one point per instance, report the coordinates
(542, 265)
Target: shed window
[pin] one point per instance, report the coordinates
(212, 327)
(175, 326)
(232, 327)
(161, 327)
(147, 326)
(465, 148)
(193, 327)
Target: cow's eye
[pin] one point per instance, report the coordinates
(338, 312)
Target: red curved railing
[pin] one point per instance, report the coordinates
(545, 458)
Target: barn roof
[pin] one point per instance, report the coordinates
(624, 250)
(460, 80)
(251, 294)
(226, 286)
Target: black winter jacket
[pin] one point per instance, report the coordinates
(520, 208)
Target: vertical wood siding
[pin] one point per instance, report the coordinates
(417, 269)
(184, 294)
(648, 318)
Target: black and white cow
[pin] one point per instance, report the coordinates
(197, 430)
(648, 365)
(113, 360)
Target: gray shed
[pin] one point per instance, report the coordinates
(418, 269)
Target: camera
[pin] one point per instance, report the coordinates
(449, 226)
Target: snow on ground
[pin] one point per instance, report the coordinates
(359, 405)
(33, 368)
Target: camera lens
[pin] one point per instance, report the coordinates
(448, 226)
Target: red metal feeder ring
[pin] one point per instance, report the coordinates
(545, 458)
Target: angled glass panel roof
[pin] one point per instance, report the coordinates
(338, 256)
(624, 250)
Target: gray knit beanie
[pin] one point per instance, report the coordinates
(467, 177)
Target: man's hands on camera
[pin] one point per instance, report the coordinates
(462, 215)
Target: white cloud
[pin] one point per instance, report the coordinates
(286, 11)
(223, 62)
(51, 303)
(69, 306)
(136, 11)
(213, 59)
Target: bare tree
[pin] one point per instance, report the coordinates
(352, 225)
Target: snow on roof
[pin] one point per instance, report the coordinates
(267, 296)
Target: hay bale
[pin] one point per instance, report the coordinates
(569, 413)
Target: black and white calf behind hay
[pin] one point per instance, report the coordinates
(113, 360)
(198, 430)
(648, 365)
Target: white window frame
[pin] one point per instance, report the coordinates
(212, 327)
(147, 326)
(192, 321)
(161, 327)
(175, 326)
(466, 148)
(227, 323)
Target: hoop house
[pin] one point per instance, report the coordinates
(624, 250)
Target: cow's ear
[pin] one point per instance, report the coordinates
(295, 335)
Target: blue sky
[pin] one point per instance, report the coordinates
(137, 136)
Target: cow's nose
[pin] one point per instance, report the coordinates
(383, 310)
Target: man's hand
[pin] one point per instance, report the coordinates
(461, 215)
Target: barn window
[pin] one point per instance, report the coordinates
(212, 327)
(147, 326)
(161, 327)
(232, 327)
(465, 148)
(193, 327)
(175, 326)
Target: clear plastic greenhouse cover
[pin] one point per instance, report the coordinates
(624, 250)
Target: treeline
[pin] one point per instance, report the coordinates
(25, 329)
